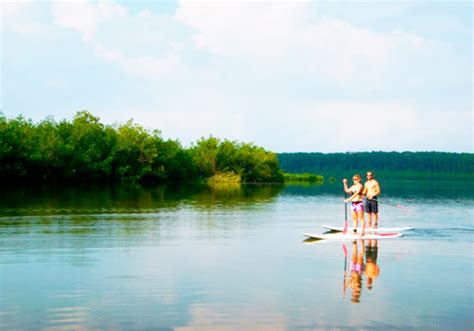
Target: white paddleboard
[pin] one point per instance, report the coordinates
(369, 230)
(353, 236)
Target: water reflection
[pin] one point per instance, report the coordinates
(199, 257)
(47, 222)
(136, 199)
(129, 198)
(363, 263)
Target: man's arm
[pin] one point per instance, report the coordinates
(366, 188)
(377, 189)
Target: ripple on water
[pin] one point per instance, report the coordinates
(67, 318)
(450, 234)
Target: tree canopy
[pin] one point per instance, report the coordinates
(86, 150)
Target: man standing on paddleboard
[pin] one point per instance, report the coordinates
(371, 191)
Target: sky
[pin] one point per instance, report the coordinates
(290, 76)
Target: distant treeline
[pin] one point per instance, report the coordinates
(398, 164)
(86, 150)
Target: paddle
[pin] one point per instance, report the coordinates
(345, 206)
(345, 215)
(345, 270)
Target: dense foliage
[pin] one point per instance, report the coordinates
(381, 162)
(304, 177)
(250, 162)
(89, 151)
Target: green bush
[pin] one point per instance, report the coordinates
(304, 177)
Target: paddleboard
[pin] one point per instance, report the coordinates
(369, 230)
(353, 236)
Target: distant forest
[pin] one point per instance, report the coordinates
(85, 150)
(394, 164)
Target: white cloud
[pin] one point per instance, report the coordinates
(345, 53)
(249, 29)
(201, 113)
(10, 8)
(19, 16)
(341, 126)
(91, 20)
(263, 31)
(55, 83)
(85, 17)
(363, 125)
(143, 66)
(276, 73)
(337, 126)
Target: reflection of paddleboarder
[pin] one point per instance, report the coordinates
(360, 268)
(372, 270)
(344, 282)
(357, 268)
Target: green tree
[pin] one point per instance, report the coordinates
(84, 149)
(135, 152)
(204, 156)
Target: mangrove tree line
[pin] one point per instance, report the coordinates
(87, 150)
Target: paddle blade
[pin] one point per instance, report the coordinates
(345, 251)
(345, 227)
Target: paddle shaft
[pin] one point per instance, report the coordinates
(345, 270)
(345, 214)
(345, 207)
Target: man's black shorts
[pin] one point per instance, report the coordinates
(371, 253)
(371, 206)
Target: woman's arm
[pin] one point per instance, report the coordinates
(351, 197)
(358, 191)
(347, 190)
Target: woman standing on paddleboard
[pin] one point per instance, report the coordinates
(357, 205)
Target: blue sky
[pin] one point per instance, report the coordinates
(289, 76)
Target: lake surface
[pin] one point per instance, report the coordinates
(230, 258)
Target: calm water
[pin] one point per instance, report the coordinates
(195, 258)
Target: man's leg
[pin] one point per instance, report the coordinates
(369, 220)
(375, 212)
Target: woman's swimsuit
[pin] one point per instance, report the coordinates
(357, 268)
(357, 206)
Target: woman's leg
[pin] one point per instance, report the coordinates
(360, 215)
(354, 219)
(354, 252)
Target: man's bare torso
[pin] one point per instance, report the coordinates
(372, 188)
